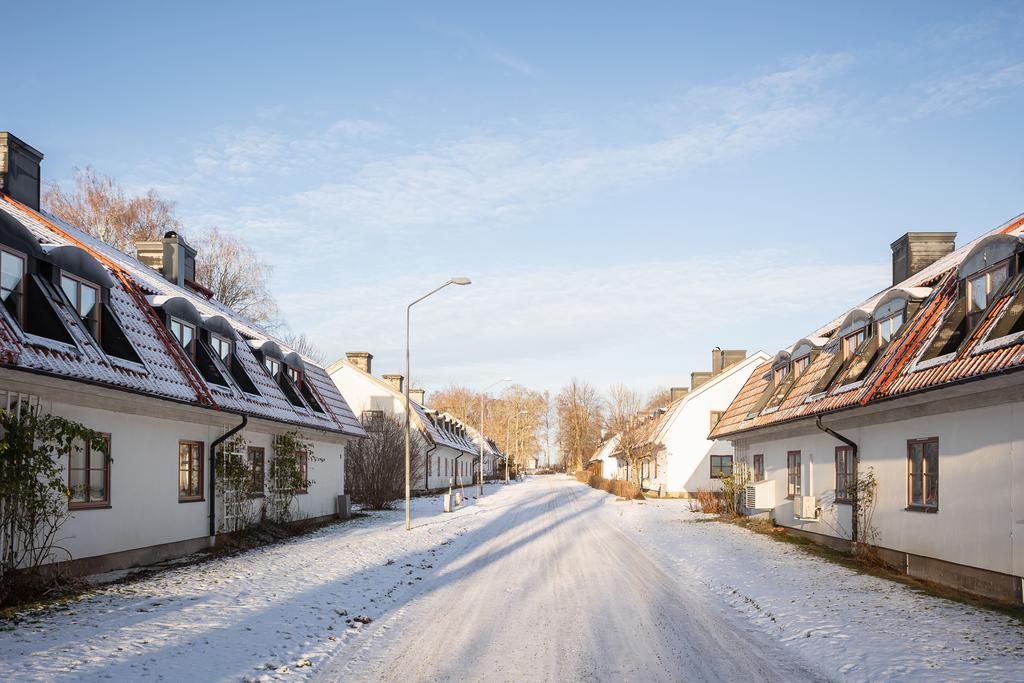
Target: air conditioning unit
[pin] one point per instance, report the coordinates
(759, 495)
(805, 507)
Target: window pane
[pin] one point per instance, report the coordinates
(97, 484)
(78, 485)
(77, 457)
(11, 270)
(996, 279)
(979, 295)
(186, 335)
(87, 307)
(70, 288)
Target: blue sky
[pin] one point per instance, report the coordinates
(628, 185)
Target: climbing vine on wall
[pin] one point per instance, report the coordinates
(288, 474)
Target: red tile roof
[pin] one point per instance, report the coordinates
(898, 369)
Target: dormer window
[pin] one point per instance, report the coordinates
(852, 342)
(800, 364)
(85, 300)
(185, 333)
(273, 366)
(780, 374)
(980, 291)
(221, 347)
(12, 283)
(295, 375)
(888, 327)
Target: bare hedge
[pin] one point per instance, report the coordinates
(618, 487)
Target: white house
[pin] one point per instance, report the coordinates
(918, 387)
(143, 355)
(684, 458)
(687, 459)
(449, 450)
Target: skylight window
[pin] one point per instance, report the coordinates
(852, 342)
(12, 284)
(85, 300)
(185, 333)
(221, 347)
(981, 289)
(888, 327)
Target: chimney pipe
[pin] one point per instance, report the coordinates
(361, 359)
(915, 251)
(698, 378)
(171, 256)
(417, 395)
(395, 381)
(676, 393)
(19, 170)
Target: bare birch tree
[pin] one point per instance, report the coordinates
(236, 275)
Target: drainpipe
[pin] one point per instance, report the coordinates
(213, 473)
(426, 467)
(855, 508)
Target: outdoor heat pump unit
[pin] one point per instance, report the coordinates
(759, 495)
(805, 507)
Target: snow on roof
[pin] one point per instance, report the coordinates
(832, 383)
(163, 371)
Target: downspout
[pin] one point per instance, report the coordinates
(426, 467)
(213, 472)
(855, 508)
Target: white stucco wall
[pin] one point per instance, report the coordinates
(144, 508)
(981, 504)
(687, 449)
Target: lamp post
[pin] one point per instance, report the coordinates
(483, 395)
(408, 381)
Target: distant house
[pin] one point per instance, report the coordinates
(450, 450)
(143, 355)
(919, 385)
(684, 458)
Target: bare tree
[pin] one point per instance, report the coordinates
(375, 466)
(101, 207)
(578, 412)
(305, 346)
(224, 264)
(659, 397)
(237, 276)
(627, 419)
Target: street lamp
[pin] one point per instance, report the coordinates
(483, 394)
(408, 381)
(507, 422)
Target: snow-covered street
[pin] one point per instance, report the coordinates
(543, 580)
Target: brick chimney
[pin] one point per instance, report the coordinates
(19, 170)
(915, 251)
(698, 378)
(171, 256)
(417, 395)
(395, 381)
(360, 359)
(725, 358)
(676, 393)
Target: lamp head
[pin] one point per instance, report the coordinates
(461, 281)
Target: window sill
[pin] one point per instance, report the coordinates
(922, 508)
(89, 506)
(191, 500)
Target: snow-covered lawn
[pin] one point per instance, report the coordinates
(847, 625)
(287, 611)
(273, 613)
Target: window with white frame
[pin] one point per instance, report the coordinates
(85, 300)
(185, 333)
